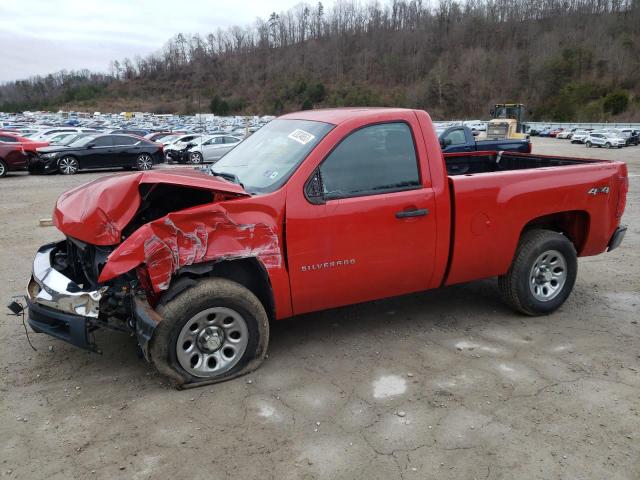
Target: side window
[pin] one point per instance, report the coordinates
(456, 137)
(7, 139)
(121, 140)
(103, 142)
(372, 160)
(230, 140)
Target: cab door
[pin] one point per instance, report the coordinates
(126, 149)
(364, 226)
(211, 150)
(100, 153)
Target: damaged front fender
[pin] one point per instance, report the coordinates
(200, 234)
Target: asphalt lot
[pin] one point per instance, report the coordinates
(447, 384)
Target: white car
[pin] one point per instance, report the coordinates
(49, 132)
(212, 148)
(604, 139)
(476, 125)
(176, 151)
(579, 136)
(565, 134)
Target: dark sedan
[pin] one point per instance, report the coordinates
(96, 152)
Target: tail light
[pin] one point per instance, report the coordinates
(622, 195)
(529, 147)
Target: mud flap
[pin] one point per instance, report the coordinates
(147, 319)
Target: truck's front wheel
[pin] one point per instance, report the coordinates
(211, 332)
(542, 274)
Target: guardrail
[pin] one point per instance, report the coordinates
(565, 125)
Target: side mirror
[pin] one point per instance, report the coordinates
(314, 190)
(492, 112)
(91, 145)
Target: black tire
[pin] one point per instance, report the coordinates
(607, 145)
(588, 144)
(206, 294)
(68, 165)
(3, 168)
(515, 284)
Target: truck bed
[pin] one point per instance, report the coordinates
(485, 162)
(495, 195)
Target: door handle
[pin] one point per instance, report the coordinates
(418, 212)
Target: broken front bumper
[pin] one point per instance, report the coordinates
(58, 306)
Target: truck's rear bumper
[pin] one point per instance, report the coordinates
(617, 237)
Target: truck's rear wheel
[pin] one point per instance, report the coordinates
(542, 274)
(211, 332)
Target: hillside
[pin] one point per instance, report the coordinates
(569, 60)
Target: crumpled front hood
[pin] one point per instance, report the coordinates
(98, 211)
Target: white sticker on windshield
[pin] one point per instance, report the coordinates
(301, 136)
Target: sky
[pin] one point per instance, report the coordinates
(44, 36)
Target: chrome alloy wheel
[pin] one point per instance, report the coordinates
(548, 275)
(145, 162)
(196, 157)
(212, 342)
(68, 165)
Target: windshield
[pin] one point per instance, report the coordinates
(264, 161)
(82, 141)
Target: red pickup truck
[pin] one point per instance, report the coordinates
(316, 210)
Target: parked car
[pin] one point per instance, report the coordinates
(178, 150)
(69, 138)
(195, 265)
(461, 139)
(13, 157)
(545, 132)
(61, 138)
(130, 131)
(631, 136)
(566, 134)
(579, 136)
(99, 151)
(27, 144)
(211, 149)
(606, 140)
(554, 133)
(45, 134)
(476, 126)
(158, 136)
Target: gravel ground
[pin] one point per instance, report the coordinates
(443, 384)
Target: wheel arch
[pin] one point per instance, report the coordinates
(248, 272)
(574, 224)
